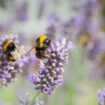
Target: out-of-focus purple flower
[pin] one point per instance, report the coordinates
(22, 12)
(9, 70)
(83, 23)
(78, 26)
(51, 76)
(67, 27)
(52, 29)
(101, 97)
(94, 48)
(64, 30)
(89, 8)
(5, 27)
(53, 18)
(41, 8)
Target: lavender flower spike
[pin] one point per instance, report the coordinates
(51, 76)
(8, 69)
(101, 97)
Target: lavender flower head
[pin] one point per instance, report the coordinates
(9, 69)
(101, 97)
(51, 75)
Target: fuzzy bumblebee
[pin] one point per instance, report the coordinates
(42, 43)
(10, 50)
(85, 39)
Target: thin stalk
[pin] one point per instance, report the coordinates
(33, 99)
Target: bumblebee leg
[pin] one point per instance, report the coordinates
(46, 55)
(11, 58)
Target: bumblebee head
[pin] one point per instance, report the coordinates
(9, 46)
(43, 41)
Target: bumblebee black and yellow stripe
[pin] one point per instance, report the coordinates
(11, 58)
(42, 39)
(42, 43)
(7, 43)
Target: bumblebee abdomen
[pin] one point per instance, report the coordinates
(40, 56)
(9, 48)
(11, 58)
(40, 52)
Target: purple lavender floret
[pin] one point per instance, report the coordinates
(101, 97)
(8, 69)
(51, 76)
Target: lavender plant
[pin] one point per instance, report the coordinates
(51, 76)
(8, 69)
(101, 97)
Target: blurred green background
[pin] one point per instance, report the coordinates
(84, 74)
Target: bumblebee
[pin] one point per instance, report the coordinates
(42, 43)
(85, 38)
(10, 50)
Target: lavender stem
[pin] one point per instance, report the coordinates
(33, 99)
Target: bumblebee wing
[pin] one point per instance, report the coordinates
(16, 54)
